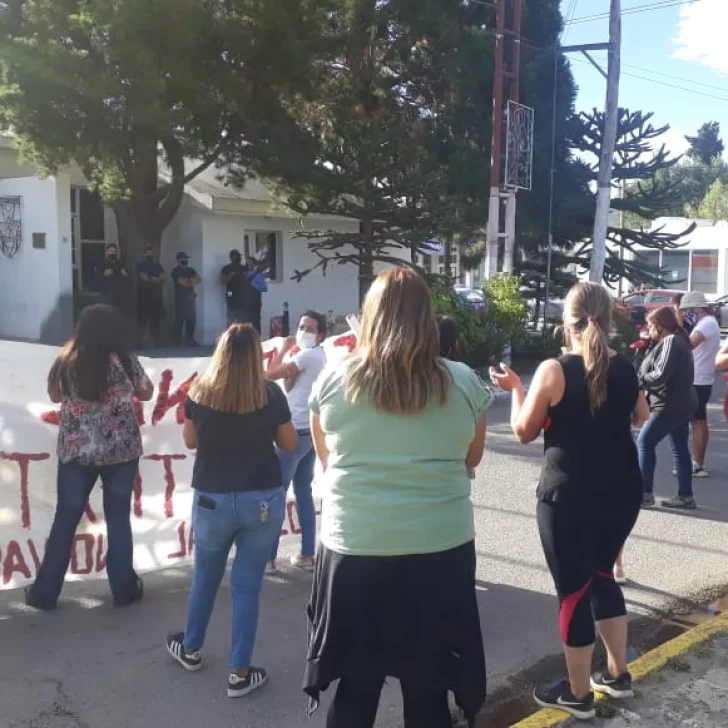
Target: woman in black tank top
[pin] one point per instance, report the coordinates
(589, 492)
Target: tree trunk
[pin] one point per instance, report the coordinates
(366, 259)
(448, 261)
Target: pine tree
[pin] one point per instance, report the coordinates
(707, 145)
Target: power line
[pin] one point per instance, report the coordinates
(636, 10)
(570, 13)
(677, 78)
(665, 83)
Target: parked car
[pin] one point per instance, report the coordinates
(638, 304)
(470, 297)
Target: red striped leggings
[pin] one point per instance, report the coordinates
(581, 546)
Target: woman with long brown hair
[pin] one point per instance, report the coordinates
(95, 378)
(666, 375)
(233, 418)
(394, 587)
(589, 492)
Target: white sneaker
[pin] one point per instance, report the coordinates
(271, 568)
(699, 472)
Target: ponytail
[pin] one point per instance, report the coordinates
(595, 350)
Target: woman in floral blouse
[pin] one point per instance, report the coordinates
(95, 378)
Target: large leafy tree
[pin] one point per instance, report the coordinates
(146, 94)
(715, 203)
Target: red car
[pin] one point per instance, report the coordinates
(641, 302)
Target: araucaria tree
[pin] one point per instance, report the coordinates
(635, 162)
(145, 94)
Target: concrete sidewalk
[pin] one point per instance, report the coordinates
(681, 684)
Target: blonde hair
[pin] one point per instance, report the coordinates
(234, 381)
(588, 318)
(396, 363)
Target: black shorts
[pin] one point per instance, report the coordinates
(703, 391)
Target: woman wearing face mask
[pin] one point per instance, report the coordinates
(667, 377)
(298, 376)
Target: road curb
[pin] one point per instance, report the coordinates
(650, 663)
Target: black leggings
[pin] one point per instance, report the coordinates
(581, 546)
(356, 702)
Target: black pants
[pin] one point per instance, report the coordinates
(185, 320)
(149, 315)
(356, 702)
(581, 546)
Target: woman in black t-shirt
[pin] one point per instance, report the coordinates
(589, 493)
(233, 417)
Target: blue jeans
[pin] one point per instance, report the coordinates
(74, 485)
(677, 430)
(252, 521)
(297, 467)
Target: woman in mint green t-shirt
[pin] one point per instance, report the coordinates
(394, 590)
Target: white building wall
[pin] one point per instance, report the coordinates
(36, 285)
(337, 291)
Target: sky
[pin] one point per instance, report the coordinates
(674, 61)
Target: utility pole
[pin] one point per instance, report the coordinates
(493, 229)
(609, 139)
(507, 69)
(509, 247)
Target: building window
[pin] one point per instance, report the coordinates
(676, 268)
(704, 271)
(269, 244)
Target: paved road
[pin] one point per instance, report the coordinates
(91, 666)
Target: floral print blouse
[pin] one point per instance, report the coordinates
(107, 432)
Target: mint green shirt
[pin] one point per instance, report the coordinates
(397, 484)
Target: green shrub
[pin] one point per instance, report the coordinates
(506, 313)
(485, 334)
(540, 345)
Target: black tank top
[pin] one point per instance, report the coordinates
(591, 458)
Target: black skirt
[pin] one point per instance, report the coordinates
(414, 618)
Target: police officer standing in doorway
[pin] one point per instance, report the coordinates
(113, 279)
(185, 306)
(150, 295)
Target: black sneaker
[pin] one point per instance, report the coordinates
(191, 661)
(559, 696)
(239, 687)
(616, 687)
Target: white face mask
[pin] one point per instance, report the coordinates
(306, 340)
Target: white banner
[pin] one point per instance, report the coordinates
(162, 500)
